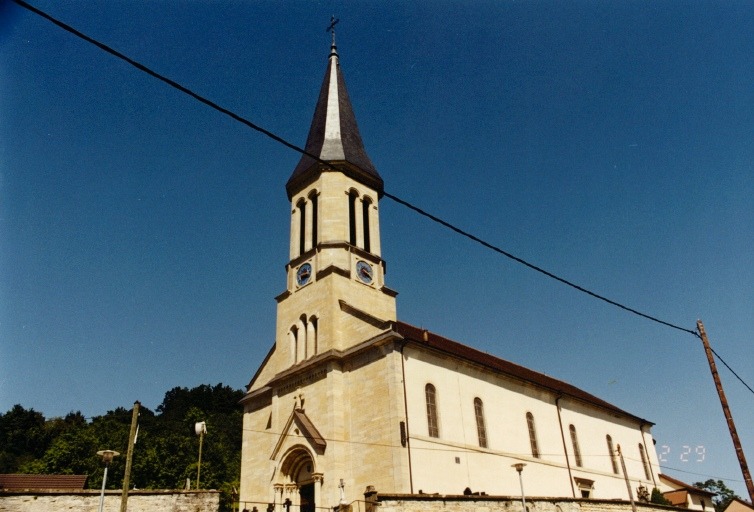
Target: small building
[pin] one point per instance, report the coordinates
(687, 496)
(739, 505)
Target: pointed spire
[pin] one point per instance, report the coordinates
(334, 135)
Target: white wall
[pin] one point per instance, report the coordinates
(455, 461)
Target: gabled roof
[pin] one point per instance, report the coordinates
(307, 428)
(434, 341)
(739, 505)
(679, 485)
(20, 481)
(334, 136)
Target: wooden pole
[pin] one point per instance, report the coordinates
(625, 476)
(129, 457)
(199, 465)
(726, 410)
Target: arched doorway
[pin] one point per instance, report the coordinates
(298, 468)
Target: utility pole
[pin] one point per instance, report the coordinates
(726, 410)
(129, 457)
(625, 476)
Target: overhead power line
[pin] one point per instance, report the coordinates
(534, 267)
(434, 218)
(438, 445)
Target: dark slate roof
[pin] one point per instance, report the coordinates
(453, 348)
(310, 431)
(67, 482)
(341, 144)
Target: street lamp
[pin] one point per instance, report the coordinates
(107, 458)
(520, 467)
(200, 428)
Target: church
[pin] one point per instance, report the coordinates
(349, 396)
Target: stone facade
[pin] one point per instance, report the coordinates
(88, 501)
(435, 503)
(349, 396)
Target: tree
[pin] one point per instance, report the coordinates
(22, 438)
(166, 452)
(658, 498)
(724, 494)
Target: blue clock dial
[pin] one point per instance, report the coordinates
(364, 272)
(304, 274)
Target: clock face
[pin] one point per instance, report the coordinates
(304, 274)
(364, 272)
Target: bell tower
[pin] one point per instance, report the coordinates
(335, 296)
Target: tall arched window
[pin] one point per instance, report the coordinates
(302, 342)
(431, 396)
(302, 226)
(532, 435)
(576, 449)
(293, 336)
(352, 195)
(611, 451)
(312, 336)
(313, 200)
(365, 205)
(481, 431)
(644, 461)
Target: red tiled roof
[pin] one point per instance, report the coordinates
(437, 342)
(19, 481)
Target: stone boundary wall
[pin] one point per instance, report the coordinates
(437, 503)
(88, 501)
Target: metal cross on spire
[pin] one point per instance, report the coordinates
(331, 27)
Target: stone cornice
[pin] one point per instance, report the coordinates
(316, 368)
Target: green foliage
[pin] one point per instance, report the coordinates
(724, 494)
(22, 436)
(165, 454)
(658, 499)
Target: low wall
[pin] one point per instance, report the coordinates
(437, 503)
(88, 501)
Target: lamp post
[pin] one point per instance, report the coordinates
(200, 428)
(107, 458)
(520, 468)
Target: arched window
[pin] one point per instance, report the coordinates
(302, 226)
(293, 336)
(644, 461)
(313, 199)
(576, 449)
(611, 451)
(352, 195)
(481, 431)
(431, 396)
(303, 344)
(532, 435)
(366, 204)
(312, 336)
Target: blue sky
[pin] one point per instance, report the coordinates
(143, 236)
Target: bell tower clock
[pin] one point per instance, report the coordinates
(335, 296)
